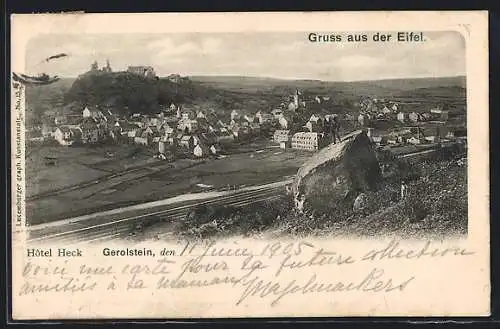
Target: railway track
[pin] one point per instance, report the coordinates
(92, 232)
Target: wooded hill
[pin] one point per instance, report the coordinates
(132, 93)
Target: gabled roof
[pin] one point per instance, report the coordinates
(315, 117)
(154, 129)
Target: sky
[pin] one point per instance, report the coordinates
(279, 55)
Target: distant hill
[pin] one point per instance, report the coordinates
(378, 88)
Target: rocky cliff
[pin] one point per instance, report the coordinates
(338, 173)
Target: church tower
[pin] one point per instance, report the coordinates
(296, 99)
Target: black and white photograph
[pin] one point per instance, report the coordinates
(203, 135)
(235, 165)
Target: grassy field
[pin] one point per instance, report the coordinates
(155, 181)
(76, 165)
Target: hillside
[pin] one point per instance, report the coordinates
(131, 93)
(40, 99)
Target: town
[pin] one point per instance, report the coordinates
(178, 130)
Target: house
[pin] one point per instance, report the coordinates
(277, 113)
(215, 149)
(249, 118)
(187, 141)
(292, 106)
(316, 118)
(395, 107)
(86, 112)
(172, 140)
(66, 136)
(90, 131)
(414, 117)
(431, 139)
(415, 140)
(361, 119)
(392, 140)
(162, 146)
(235, 131)
(141, 141)
(115, 133)
(263, 117)
(349, 117)
(386, 110)
(201, 150)
(284, 122)
(314, 126)
(233, 125)
(240, 132)
(152, 131)
(187, 125)
(219, 124)
(155, 122)
(166, 130)
(93, 113)
(379, 140)
(282, 136)
(401, 117)
(146, 135)
(203, 123)
(235, 115)
(306, 141)
(136, 122)
(188, 115)
(135, 132)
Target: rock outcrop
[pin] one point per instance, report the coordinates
(338, 173)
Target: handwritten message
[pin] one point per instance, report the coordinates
(271, 272)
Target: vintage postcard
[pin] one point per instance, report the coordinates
(228, 165)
